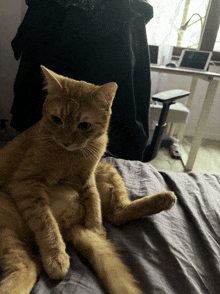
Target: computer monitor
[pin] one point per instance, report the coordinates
(153, 53)
(194, 59)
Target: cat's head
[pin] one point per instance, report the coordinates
(75, 113)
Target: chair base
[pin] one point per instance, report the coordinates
(166, 142)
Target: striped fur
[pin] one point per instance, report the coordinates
(53, 189)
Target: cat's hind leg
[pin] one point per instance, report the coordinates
(104, 259)
(18, 263)
(116, 205)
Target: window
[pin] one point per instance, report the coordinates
(185, 24)
(217, 42)
(192, 22)
(163, 27)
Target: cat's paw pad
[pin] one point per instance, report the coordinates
(57, 265)
(168, 199)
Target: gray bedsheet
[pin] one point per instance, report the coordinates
(173, 252)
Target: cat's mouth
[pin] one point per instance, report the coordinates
(70, 147)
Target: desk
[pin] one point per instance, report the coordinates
(213, 80)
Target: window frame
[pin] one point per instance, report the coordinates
(207, 40)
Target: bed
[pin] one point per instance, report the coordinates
(175, 251)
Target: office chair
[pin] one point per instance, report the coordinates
(157, 138)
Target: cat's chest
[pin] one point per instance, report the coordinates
(65, 205)
(69, 173)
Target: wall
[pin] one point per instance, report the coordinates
(12, 12)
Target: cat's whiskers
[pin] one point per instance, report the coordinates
(90, 153)
(94, 151)
(86, 154)
(93, 155)
(95, 146)
(83, 152)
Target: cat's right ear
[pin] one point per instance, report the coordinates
(107, 93)
(52, 79)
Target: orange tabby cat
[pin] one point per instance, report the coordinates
(54, 189)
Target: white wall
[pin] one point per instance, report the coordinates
(12, 12)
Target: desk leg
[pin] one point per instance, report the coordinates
(188, 105)
(172, 129)
(201, 125)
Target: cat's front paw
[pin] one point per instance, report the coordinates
(56, 265)
(167, 200)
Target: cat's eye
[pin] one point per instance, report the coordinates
(57, 120)
(84, 125)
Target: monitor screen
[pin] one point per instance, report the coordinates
(153, 53)
(195, 59)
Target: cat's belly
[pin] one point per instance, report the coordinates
(66, 207)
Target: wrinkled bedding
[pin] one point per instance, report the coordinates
(173, 252)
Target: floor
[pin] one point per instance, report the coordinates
(207, 160)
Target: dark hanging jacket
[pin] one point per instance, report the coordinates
(98, 41)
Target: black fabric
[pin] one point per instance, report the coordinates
(97, 41)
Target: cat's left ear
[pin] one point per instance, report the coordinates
(108, 92)
(53, 79)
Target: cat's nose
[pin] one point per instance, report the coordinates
(66, 144)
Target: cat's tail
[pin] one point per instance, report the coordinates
(102, 255)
